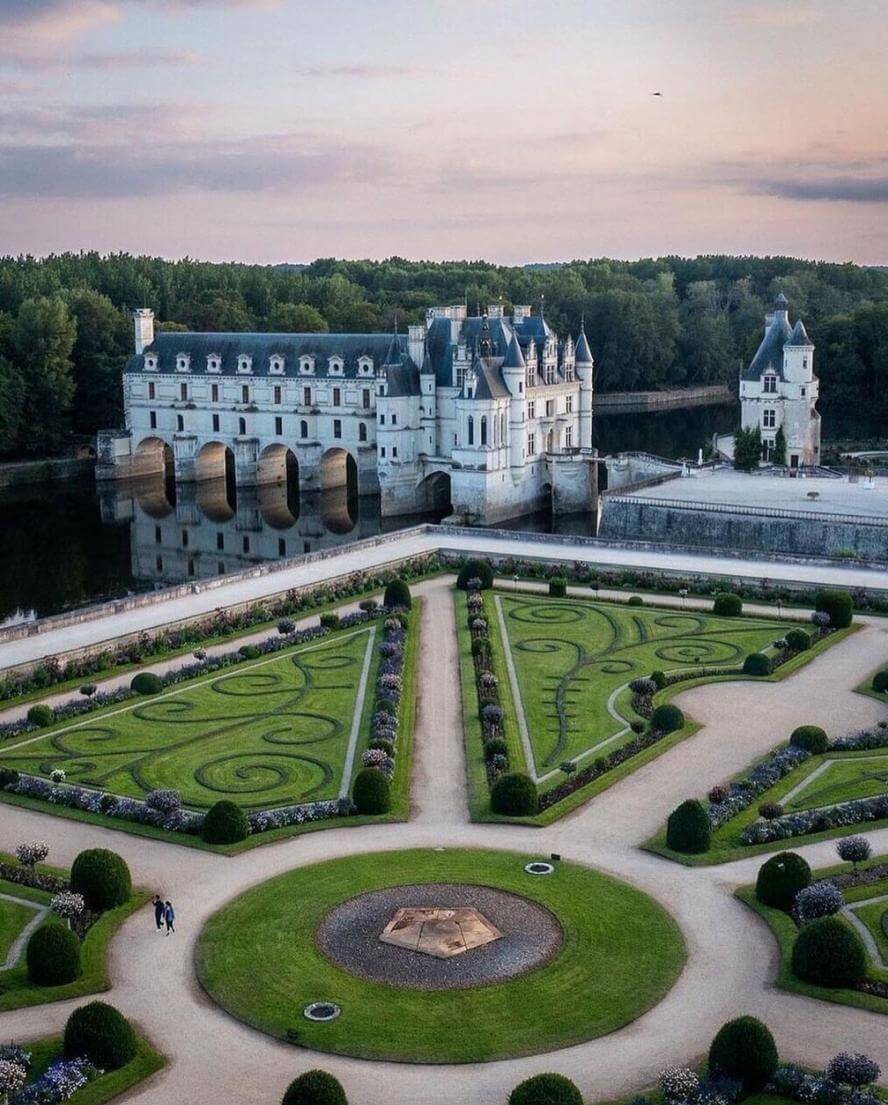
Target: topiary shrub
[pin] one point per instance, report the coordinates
(780, 879)
(727, 605)
(798, 640)
(688, 829)
(250, 652)
(53, 956)
(811, 738)
(8, 776)
(315, 1087)
(480, 646)
(330, 620)
(829, 953)
(546, 1089)
(40, 715)
(146, 682)
(372, 792)
(514, 795)
(397, 594)
(744, 1051)
(838, 605)
(757, 663)
(558, 587)
(225, 823)
(880, 681)
(101, 1034)
(635, 600)
(667, 718)
(495, 747)
(658, 678)
(102, 877)
(475, 569)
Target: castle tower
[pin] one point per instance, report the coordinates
(514, 371)
(584, 367)
(143, 325)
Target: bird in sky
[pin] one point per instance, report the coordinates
(656, 93)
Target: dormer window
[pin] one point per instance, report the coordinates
(276, 365)
(214, 363)
(244, 363)
(769, 384)
(151, 362)
(365, 366)
(306, 365)
(183, 362)
(334, 366)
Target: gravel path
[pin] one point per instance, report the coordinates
(732, 958)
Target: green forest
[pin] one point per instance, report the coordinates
(65, 328)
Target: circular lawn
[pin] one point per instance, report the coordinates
(263, 958)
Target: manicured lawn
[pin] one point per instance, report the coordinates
(841, 780)
(785, 931)
(872, 916)
(620, 954)
(107, 1086)
(270, 732)
(13, 918)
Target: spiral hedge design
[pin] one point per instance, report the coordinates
(273, 732)
(572, 656)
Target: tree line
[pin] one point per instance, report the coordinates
(66, 331)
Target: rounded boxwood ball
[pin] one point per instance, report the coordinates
(838, 605)
(880, 681)
(146, 682)
(744, 1051)
(757, 663)
(546, 1089)
(315, 1087)
(372, 793)
(102, 877)
(250, 652)
(514, 795)
(224, 823)
(40, 715)
(829, 953)
(798, 640)
(101, 1034)
(475, 569)
(397, 594)
(727, 605)
(558, 587)
(53, 956)
(810, 737)
(688, 829)
(667, 718)
(780, 879)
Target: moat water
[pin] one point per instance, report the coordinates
(64, 545)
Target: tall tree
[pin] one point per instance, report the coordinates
(100, 350)
(44, 340)
(11, 398)
(296, 318)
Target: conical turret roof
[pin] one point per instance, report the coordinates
(514, 357)
(582, 353)
(799, 335)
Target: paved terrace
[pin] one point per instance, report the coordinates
(94, 626)
(721, 485)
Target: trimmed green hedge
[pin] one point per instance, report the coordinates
(811, 738)
(798, 640)
(102, 1034)
(397, 594)
(102, 877)
(40, 715)
(372, 792)
(727, 605)
(53, 956)
(514, 795)
(475, 569)
(880, 681)
(146, 682)
(744, 1050)
(688, 829)
(558, 587)
(667, 718)
(757, 663)
(829, 953)
(838, 605)
(546, 1089)
(315, 1087)
(780, 879)
(225, 823)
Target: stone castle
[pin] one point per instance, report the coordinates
(486, 417)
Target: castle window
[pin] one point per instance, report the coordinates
(282, 547)
(220, 568)
(394, 419)
(180, 423)
(365, 366)
(335, 366)
(550, 373)
(460, 378)
(382, 420)
(245, 393)
(183, 392)
(158, 537)
(531, 409)
(483, 429)
(158, 563)
(306, 397)
(337, 397)
(568, 437)
(337, 427)
(152, 391)
(362, 431)
(214, 363)
(303, 428)
(220, 540)
(769, 384)
(244, 363)
(804, 392)
(306, 365)
(568, 404)
(242, 426)
(183, 362)
(471, 430)
(279, 427)
(769, 419)
(394, 450)
(276, 365)
(184, 538)
(152, 419)
(151, 362)
(804, 362)
(550, 407)
(214, 393)
(365, 399)
(569, 372)
(277, 394)
(531, 444)
(246, 543)
(215, 423)
(382, 452)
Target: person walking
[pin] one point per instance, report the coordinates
(169, 915)
(159, 910)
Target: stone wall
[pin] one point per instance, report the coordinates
(629, 519)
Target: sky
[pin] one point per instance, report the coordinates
(283, 130)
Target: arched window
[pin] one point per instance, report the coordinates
(303, 428)
(483, 429)
(362, 431)
(471, 430)
(502, 439)
(242, 425)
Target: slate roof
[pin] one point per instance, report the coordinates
(770, 352)
(261, 347)
(403, 379)
(800, 335)
(583, 354)
(490, 379)
(514, 357)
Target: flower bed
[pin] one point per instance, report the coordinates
(490, 710)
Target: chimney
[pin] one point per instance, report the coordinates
(143, 325)
(769, 318)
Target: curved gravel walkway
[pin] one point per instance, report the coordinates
(732, 958)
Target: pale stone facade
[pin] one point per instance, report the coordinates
(779, 390)
(490, 413)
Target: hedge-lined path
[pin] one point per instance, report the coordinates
(732, 957)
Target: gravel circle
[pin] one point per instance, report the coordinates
(349, 937)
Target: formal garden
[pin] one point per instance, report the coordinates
(570, 694)
(58, 924)
(310, 938)
(275, 737)
(831, 925)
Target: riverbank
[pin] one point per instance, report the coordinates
(658, 400)
(23, 473)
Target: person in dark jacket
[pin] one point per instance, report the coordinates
(169, 915)
(159, 910)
